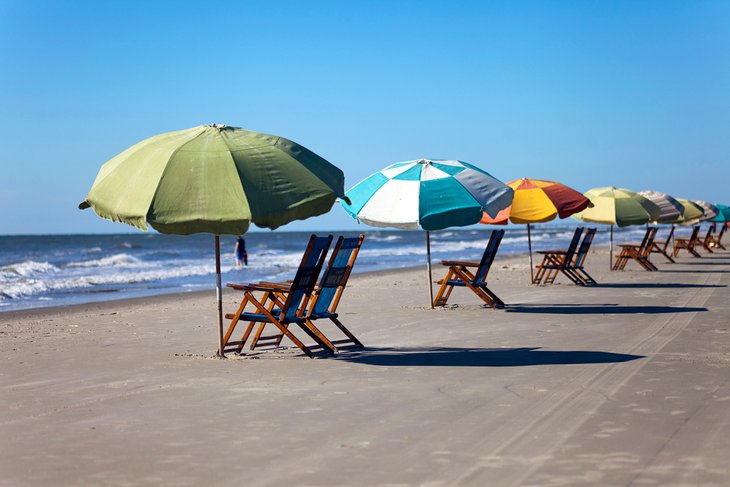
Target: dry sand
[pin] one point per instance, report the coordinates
(624, 384)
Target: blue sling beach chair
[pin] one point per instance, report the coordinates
(291, 310)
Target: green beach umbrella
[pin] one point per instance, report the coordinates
(618, 206)
(214, 179)
(710, 210)
(692, 212)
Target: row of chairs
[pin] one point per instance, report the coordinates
(640, 253)
(301, 301)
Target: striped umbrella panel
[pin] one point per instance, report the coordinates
(670, 210)
(618, 206)
(431, 194)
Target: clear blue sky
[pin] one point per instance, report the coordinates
(589, 93)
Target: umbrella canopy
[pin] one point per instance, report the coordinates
(710, 210)
(537, 201)
(723, 214)
(431, 194)
(670, 209)
(618, 206)
(692, 212)
(214, 179)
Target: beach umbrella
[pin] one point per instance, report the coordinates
(692, 212)
(710, 210)
(723, 215)
(214, 179)
(538, 201)
(618, 206)
(431, 194)
(670, 210)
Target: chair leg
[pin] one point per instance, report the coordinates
(442, 296)
(347, 332)
(262, 309)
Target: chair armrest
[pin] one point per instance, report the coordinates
(465, 263)
(250, 287)
(562, 252)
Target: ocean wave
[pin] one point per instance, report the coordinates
(117, 260)
(26, 268)
(387, 238)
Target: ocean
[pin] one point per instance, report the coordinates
(53, 270)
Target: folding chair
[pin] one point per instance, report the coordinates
(708, 242)
(717, 241)
(576, 268)
(639, 253)
(557, 261)
(687, 244)
(327, 294)
(459, 275)
(662, 249)
(291, 310)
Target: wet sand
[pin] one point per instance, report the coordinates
(627, 383)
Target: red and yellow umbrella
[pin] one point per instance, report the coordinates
(537, 201)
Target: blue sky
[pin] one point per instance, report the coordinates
(589, 93)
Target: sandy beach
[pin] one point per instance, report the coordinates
(626, 383)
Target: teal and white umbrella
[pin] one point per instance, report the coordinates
(431, 194)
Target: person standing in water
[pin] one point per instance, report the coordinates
(240, 251)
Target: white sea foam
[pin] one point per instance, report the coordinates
(26, 268)
(117, 260)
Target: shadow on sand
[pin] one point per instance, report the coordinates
(656, 285)
(480, 357)
(591, 309)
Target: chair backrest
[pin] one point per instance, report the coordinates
(645, 240)
(710, 231)
(585, 245)
(722, 232)
(489, 253)
(306, 277)
(695, 233)
(651, 234)
(669, 239)
(573, 246)
(335, 276)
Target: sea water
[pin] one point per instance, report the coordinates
(53, 270)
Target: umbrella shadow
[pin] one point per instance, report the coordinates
(657, 285)
(592, 309)
(481, 357)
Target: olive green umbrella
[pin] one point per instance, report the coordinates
(618, 206)
(692, 212)
(214, 179)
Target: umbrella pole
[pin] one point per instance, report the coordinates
(218, 295)
(529, 246)
(610, 251)
(430, 275)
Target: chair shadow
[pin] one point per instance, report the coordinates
(591, 309)
(481, 357)
(651, 285)
(682, 271)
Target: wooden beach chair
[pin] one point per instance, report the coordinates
(326, 295)
(657, 248)
(577, 268)
(717, 240)
(558, 261)
(708, 242)
(639, 253)
(687, 244)
(460, 275)
(289, 311)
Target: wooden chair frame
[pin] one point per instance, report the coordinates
(460, 275)
(688, 244)
(555, 262)
(709, 239)
(326, 295)
(717, 241)
(662, 249)
(639, 253)
(270, 308)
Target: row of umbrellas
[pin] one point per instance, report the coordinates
(219, 179)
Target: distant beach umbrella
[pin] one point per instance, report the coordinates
(431, 194)
(214, 179)
(692, 212)
(538, 201)
(710, 210)
(670, 210)
(723, 215)
(618, 206)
